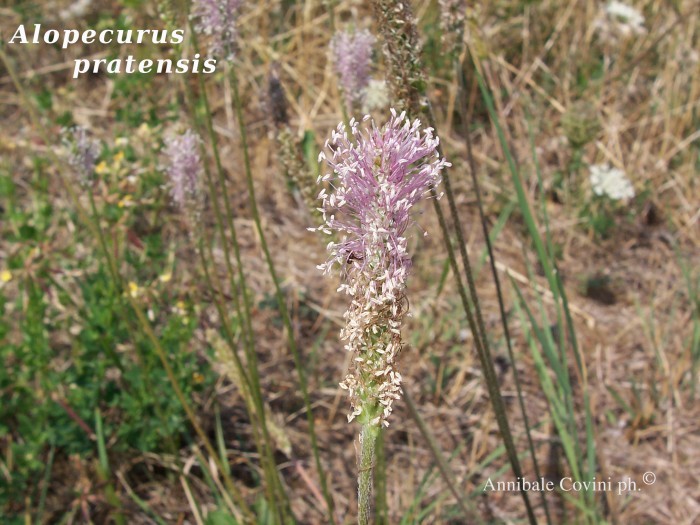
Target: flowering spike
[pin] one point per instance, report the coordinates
(352, 53)
(184, 168)
(82, 153)
(217, 19)
(379, 176)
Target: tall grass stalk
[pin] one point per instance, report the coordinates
(368, 439)
(567, 338)
(477, 327)
(242, 303)
(281, 302)
(459, 70)
(476, 324)
(407, 75)
(242, 308)
(254, 403)
(560, 398)
(380, 503)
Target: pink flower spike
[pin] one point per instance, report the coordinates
(378, 177)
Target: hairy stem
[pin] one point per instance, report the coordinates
(368, 441)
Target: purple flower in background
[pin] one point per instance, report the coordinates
(352, 53)
(378, 179)
(83, 153)
(217, 19)
(184, 167)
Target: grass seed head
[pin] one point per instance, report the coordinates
(184, 169)
(82, 155)
(352, 55)
(380, 174)
(217, 20)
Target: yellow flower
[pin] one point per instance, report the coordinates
(126, 201)
(133, 289)
(181, 310)
(165, 278)
(5, 276)
(143, 131)
(118, 158)
(101, 168)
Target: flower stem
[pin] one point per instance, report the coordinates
(368, 440)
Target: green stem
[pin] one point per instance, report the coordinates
(380, 481)
(274, 488)
(462, 81)
(368, 440)
(103, 243)
(281, 302)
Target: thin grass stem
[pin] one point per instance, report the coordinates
(459, 72)
(284, 312)
(243, 311)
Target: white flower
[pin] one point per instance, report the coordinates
(619, 20)
(611, 182)
(75, 10)
(376, 96)
(625, 14)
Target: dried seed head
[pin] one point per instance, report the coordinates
(402, 51)
(277, 98)
(295, 170)
(580, 123)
